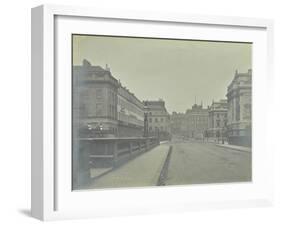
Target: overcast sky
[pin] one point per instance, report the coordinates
(175, 70)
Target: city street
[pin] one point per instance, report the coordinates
(196, 163)
(190, 162)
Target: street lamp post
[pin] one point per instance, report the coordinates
(158, 134)
(90, 130)
(100, 128)
(223, 134)
(145, 132)
(145, 128)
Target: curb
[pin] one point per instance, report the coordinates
(234, 148)
(164, 171)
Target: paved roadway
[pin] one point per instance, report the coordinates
(190, 163)
(197, 163)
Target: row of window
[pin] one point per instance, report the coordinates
(126, 118)
(158, 120)
(111, 111)
(157, 113)
(111, 96)
(130, 106)
(160, 128)
(197, 122)
(218, 115)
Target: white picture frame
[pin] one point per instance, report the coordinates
(52, 197)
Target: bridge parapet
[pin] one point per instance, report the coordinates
(109, 152)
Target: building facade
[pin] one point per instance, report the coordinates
(102, 107)
(158, 119)
(178, 122)
(196, 121)
(217, 119)
(239, 100)
(130, 114)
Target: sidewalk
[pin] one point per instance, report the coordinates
(235, 147)
(144, 170)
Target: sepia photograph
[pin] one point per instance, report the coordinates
(160, 112)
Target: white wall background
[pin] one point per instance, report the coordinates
(15, 111)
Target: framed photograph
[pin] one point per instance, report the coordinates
(137, 112)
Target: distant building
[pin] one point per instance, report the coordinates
(196, 121)
(217, 119)
(239, 99)
(102, 106)
(178, 122)
(158, 118)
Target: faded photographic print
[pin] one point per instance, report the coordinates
(160, 112)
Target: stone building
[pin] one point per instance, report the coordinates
(178, 122)
(102, 107)
(158, 118)
(196, 121)
(217, 119)
(130, 114)
(239, 99)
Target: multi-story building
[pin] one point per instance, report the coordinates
(102, 106)
(217, 119)
(158, 118)
(239, 99)
(178, 122)
(196, 121)
(130, 114)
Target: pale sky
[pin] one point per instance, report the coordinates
(176, 71)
